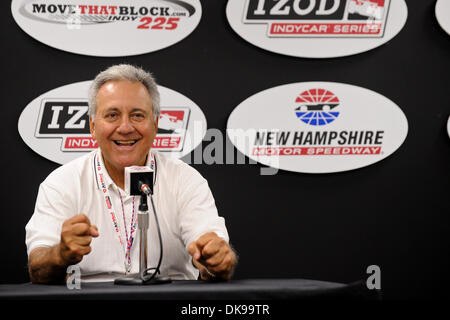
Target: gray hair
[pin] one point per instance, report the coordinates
(124, 72)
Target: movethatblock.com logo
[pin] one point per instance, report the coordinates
(157, 17)
(108, 28)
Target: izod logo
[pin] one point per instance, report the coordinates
(319, 18)
(56, 125)
(107, 28)
(67, 120)
(344, 26)
(64, 117)
(311, 137)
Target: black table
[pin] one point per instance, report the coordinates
(251, 289)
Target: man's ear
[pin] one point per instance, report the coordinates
(156, 124)
(92, 127)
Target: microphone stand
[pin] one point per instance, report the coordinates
(143, 222)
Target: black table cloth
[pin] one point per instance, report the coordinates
(250, 289)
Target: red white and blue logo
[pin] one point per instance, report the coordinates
(316, 107)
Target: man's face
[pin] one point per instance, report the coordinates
(124, 126)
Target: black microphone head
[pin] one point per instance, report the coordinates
(135, 177)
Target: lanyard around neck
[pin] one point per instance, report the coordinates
(100, 175)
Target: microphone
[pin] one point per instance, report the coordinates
(138, 180)
(145, 188)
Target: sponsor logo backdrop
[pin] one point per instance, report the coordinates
(392, 213)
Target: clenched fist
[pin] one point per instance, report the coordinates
(76, 237)
(213, 257)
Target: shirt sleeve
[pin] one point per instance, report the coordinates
(197, 209)
(53, 207)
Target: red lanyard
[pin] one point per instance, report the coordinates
(109, 207)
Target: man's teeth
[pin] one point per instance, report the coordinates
(125, 142)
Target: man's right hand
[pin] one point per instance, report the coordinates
(76, 237)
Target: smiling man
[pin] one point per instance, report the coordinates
(83, 216)
(124, 126)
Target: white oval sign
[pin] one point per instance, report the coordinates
(107, 28)
(442, 10)
(448, 126)
(56, 124)
(317, 28)
(317, 127)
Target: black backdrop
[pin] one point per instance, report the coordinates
(330, 227)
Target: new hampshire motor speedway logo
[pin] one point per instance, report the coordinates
(331, 127)
(317, 107)
(69, 121)
(319, 18)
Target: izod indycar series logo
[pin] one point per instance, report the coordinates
(69, 121)
(56, 124)
(319, 18)
(107, 27)
(317, 28)
(317, 127)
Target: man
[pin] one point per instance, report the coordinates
(83, 216)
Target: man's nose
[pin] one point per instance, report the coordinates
(125, 126)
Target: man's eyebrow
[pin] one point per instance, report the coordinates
(139, 109)
(132, 110)
(111, 109)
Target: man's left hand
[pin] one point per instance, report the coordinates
(213, 257)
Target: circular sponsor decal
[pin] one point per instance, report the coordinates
(317, 28)
(56, 124)
(448, 126)
(317, 127)
(443, 14)
(107, 28)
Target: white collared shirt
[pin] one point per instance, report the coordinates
(183, 201)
